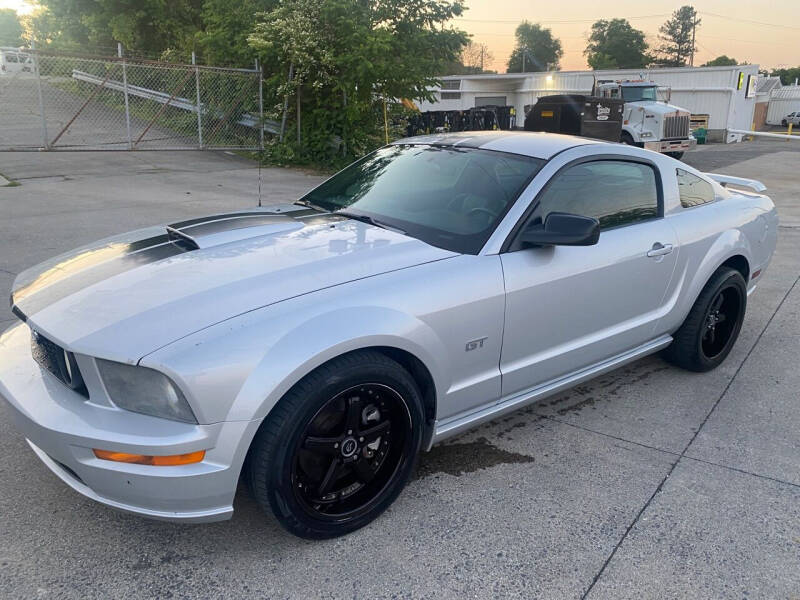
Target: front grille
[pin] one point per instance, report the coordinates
(676, 127)
(57, 361)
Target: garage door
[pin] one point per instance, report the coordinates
(490, 101)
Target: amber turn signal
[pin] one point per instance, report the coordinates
(154, 461)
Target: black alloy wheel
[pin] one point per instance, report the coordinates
(710, 330)
(339, 447)
(720, 323)
(350, 450)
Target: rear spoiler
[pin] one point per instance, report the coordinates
(724, 180)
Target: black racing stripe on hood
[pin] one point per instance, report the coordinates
(208, 219)
(15, 309)
(212, 227)
(50, 294)
(148, 243)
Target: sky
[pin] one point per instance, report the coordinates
(763, 33)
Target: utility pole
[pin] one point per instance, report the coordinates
(483, 49)
(694, 31)
(524, 52)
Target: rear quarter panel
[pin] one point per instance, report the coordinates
(739, 224)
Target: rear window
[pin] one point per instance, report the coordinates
(693, 190)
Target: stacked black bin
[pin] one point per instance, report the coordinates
(481, 118)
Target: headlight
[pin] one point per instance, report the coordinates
(145, 391)
(647, 134)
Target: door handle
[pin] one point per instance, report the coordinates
(659, 249)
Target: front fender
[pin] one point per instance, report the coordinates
(326, 336)
(239, 369)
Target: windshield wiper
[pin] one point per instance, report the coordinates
(369, 220)
(308, 204)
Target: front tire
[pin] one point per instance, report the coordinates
(710, 330)
(339, 447)
(677, 155)
(627, 139)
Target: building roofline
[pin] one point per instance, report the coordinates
(608, 72)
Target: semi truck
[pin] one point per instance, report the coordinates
(648, 122)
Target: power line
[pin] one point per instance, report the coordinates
(708, 14)
(518, 21)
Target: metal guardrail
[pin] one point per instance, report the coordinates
(780, 136)
(247, 120)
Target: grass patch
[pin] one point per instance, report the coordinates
(11, 182)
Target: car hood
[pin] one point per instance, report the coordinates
(126, 296)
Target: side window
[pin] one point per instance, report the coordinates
(693, 190)
(615, 192)
(12, 58)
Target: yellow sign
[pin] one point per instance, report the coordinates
(547, 114)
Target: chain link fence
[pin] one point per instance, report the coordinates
(51, 101)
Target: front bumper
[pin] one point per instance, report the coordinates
(672, 145)
(63, 428)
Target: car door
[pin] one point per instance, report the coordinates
(569, 307)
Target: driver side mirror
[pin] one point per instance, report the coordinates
(562, 229)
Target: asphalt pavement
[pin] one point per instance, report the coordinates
(648, 482)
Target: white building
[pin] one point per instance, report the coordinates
(783, 101)
(725, 94)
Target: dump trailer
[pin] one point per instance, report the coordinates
(577, 114)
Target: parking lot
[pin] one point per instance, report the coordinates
(647, 482)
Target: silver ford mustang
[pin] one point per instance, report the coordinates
(316, 348)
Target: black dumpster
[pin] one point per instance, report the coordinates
(576, 114)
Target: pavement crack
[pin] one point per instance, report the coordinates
(8, 272)
(688, 445)
(664, 451)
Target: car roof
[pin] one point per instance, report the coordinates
(528, 143)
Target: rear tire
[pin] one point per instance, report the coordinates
(339, 447)
(710, 330)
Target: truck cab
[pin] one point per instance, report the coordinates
(647, 121)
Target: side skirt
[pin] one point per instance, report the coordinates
(454, 425)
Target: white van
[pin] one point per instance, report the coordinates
(15, 60)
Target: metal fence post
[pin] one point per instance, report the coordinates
(197, 104)
(260, 106)
(41, 98)
(125, 88)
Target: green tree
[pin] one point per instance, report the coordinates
(226, 26)
(536, 49)
(347, 57)
(145, 26)
(615, 44)
(10, 28)
(677, 37)
(722, 61)
(788, 75)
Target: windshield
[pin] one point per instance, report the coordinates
(634, 94)
(452, 198)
